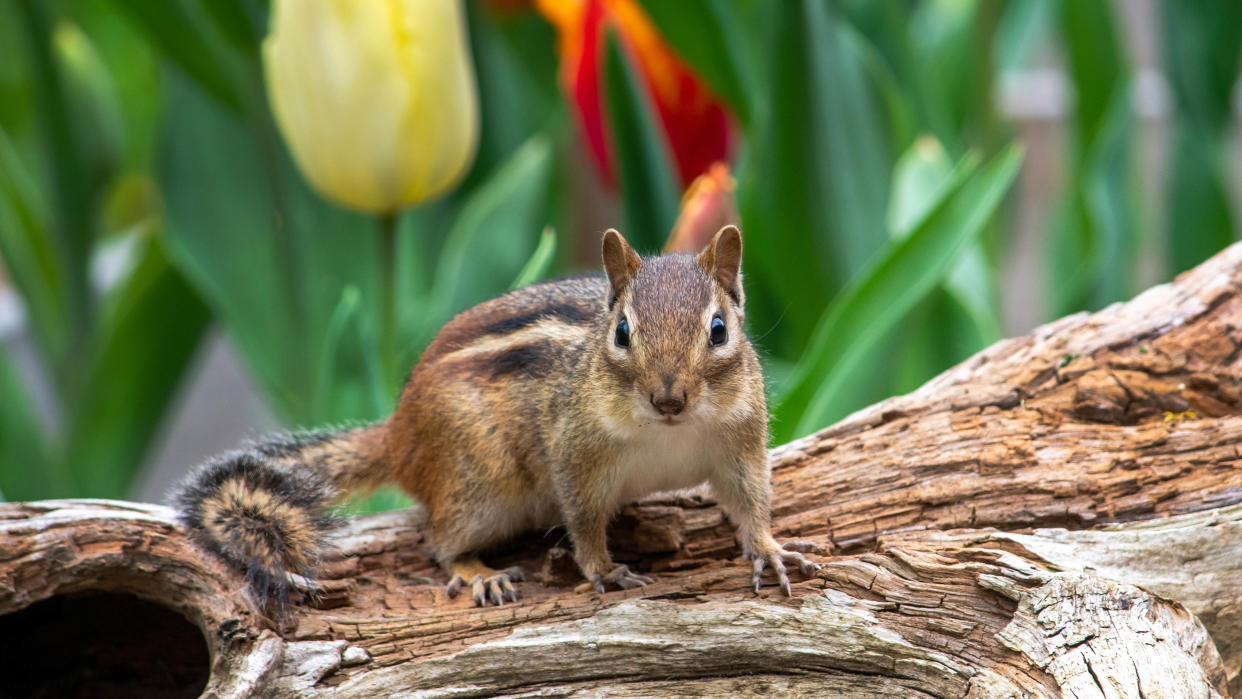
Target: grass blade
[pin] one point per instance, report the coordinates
(131, 379)
(1093, 250)
(881, 295)
(26, 471)
(175, 28)
(1202, 41)
(349, 381)
(497, 228)
(222, 231)
(70, 227)
(26, 250)
(814, 188)
(1200, 220)
(540, 261)
(956, 320)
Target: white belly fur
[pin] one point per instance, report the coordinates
(660, 457)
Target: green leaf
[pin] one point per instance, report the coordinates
(892, 100)
(540, 261)
(331, 250)
(240, 22)
(937, 334)
(1022, 24)
(513, 104)
(643, 158)
(132, 376)
(496, 229)
(1094, 244)
(26, 471)
(270, 256)
(920, 180)
(939, 54)
(1202, 41)
(881, 295)
(350, 349)
(815, 186)
(72, 200)
(950, 41)
(134, 67)
(95, 113)
(711, 37)
(180, 30)
(956, 320)
(27, 254)
(899, 35)
(972, 289)
(1200, 220)
(223, 229)
(1096, 62)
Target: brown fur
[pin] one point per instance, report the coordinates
(524, 412)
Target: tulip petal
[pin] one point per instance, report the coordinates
(376, 100)
(697, 127)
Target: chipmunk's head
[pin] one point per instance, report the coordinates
(675, 348)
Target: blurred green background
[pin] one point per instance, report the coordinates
(915, 179)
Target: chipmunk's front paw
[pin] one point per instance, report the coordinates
(495, 588)
(791, 552)
(622, 577)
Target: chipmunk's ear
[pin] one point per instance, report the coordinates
(722, 260)
(620, 263)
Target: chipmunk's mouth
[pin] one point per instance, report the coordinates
(670, 420)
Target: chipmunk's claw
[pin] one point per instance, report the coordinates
(773, 559)
(622, 577)
(791, 551)
(494, 589)
(453, 588)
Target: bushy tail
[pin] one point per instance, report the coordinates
(264, 508)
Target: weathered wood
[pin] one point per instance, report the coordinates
(1058, 514)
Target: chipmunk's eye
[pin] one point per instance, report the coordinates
(719, 333)
(622, 337)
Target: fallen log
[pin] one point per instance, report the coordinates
(1058, 515)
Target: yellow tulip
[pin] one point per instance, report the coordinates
(375, 98)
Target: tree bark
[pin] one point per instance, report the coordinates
(1059, 515)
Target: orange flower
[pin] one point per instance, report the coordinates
(707, 206)
(694, 120)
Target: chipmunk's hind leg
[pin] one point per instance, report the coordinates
(486, 584)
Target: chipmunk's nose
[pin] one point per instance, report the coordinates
(670, 403)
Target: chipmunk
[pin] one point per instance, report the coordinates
(555, 403)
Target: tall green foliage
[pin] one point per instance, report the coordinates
(1095, 240)
(871, 172)
(111, 360)
(1201, 47)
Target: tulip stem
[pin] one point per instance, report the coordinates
(388, 299)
